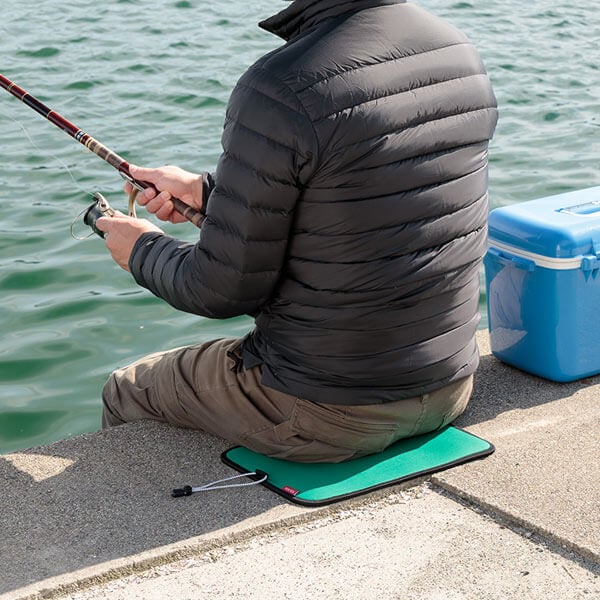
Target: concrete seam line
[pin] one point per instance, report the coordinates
(58, 586)
(585, 557)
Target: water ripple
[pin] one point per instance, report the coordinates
(46, 52)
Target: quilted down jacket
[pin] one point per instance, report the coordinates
(348, 210)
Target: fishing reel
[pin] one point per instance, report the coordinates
(98, 208)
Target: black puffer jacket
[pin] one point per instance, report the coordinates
(349, 208)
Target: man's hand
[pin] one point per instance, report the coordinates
(120, 234)
(169, 181)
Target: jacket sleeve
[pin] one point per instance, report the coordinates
(268, 152)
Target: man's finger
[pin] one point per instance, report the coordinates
(146, 196)
(104, 223)
(165, 211)
(144, 174)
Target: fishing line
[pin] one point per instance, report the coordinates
(44, 152)
(90, 213)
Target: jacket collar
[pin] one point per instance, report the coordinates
(300, 15)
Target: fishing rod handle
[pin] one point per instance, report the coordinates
(191, 214)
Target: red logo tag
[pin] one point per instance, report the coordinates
(290, 490)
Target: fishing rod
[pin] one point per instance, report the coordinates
(112, 158)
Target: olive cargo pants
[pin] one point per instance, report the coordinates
(204, 387)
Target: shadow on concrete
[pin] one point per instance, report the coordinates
(500, 388)
(99, 497)
(545, 472)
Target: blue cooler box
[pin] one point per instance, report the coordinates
(542, 272)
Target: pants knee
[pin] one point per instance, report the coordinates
(109, 416)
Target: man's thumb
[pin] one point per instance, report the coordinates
(104, 223)
(141, 173)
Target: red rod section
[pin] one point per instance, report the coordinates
(112, 158)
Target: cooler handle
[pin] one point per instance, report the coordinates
(511, 260)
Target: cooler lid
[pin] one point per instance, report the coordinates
(561, 226)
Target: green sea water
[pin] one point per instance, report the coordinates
(151, 79)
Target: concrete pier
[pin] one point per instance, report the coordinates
(92, 517)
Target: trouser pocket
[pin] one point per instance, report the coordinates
(338, 427)
(235, 361)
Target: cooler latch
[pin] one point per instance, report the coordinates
(592, 261)
(518, 262)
